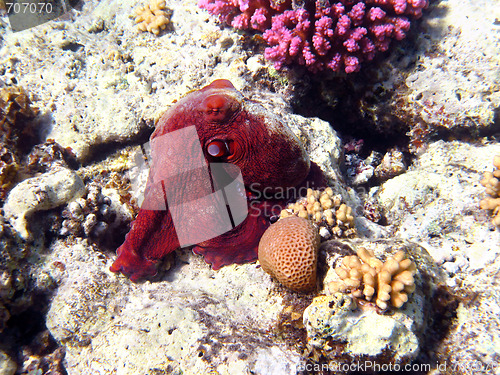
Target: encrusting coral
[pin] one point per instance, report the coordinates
(16, 133)
(88, 216)
(9, 165)
(288, 251)
(153, 17)
(326, 210)
(491, 181)
(16, 114)
(367, 277)
(47, 155)
(14, 274)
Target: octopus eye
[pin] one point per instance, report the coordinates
(217, 149)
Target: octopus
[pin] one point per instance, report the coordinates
(214, 154)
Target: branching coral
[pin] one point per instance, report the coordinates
(326, 210)
(153, 17)
(245, 14)
(321, 34)
(367, 277)
(491, 181)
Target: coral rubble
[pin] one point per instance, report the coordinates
(367, 277)
(153, 17)
(491, 181)
(288, 252)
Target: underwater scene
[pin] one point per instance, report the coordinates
(266, 187)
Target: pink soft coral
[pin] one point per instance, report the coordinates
(323, 34)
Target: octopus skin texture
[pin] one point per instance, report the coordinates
(214, 126)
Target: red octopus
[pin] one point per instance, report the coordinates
(213, 131)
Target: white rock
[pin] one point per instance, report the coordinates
(44, 192)
(451, 267)
(332, 319)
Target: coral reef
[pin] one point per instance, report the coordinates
(421, 204)
(213, 320)
(153, 17)
(367, 277)
(408, 91)
(288, 252)
(326, 210)
(340, 326)
(321, 34)
(491, 181)
(93, 311)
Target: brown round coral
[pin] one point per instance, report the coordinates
(288, 252)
